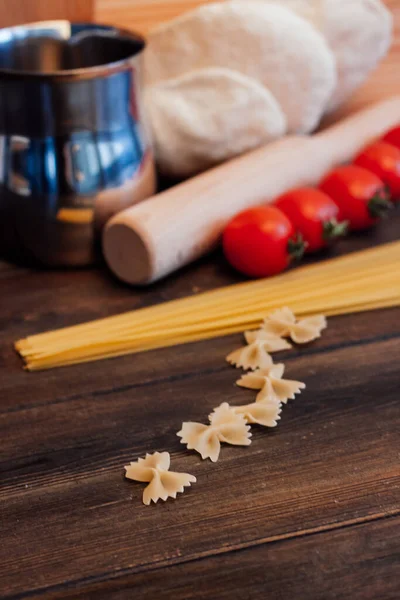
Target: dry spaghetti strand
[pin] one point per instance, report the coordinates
(357, 282)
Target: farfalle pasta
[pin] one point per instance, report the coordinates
(232, 424)
(283, 323)
(256, 354)
(226, 426)
(260, 335)
(163, 483)
(272, 386)
(266, 414)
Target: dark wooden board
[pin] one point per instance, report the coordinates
(307, 511)
(323, 566)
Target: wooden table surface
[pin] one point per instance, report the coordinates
(310, 511)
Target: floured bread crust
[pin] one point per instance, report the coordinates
(208, 116)
(358, 32)
(266, 42)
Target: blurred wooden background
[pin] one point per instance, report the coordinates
(14, 12)
(147, 13)
(142, 15)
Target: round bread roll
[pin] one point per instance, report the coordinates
(359, 33)
(208, 116)
(265, 42)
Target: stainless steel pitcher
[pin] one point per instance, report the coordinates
(73, 146)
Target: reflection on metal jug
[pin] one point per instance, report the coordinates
(73, 146)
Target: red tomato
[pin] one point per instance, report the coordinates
(393, 137)
(360, 195)
(261, 242)
(383, 159)
(314, 215)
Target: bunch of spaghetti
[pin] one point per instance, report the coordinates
(357, 282)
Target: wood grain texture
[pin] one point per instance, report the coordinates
(26, 11)
(71, 525)
(363, 557)
(143, 15)
(309, 511)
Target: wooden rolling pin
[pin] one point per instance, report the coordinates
(147, 242)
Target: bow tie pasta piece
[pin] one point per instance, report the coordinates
(260, 335)
(309, 329)
(256, 380)
(279, 322)
(232, 428)
(271, 385)
(154, 470)
(283, 323)
(225, 427)
(256, 355)
(208, 116)
(358, 32)
(266, 414)
(201, 438)
(268, 43)
(280, 390)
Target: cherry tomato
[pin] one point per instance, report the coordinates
(261, 242)
(361, 196)
(393, 137)
(314, 215)
(383, 159)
